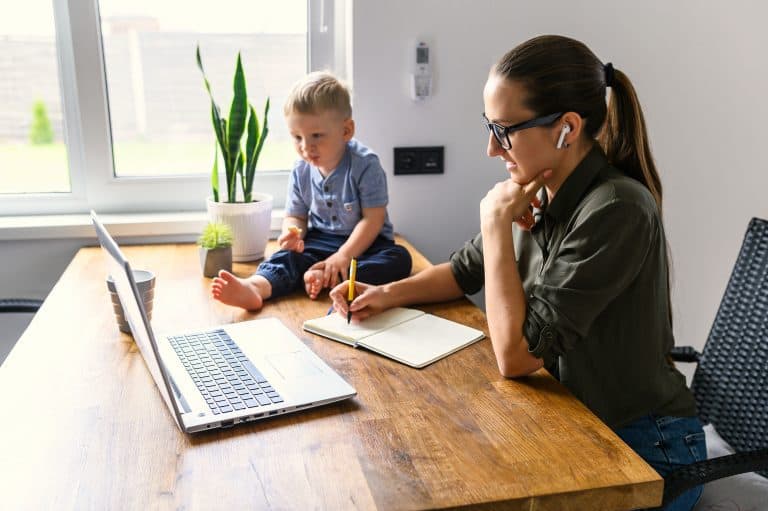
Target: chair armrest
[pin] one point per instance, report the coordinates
(19, 304)
(684, 354)
(688, 476)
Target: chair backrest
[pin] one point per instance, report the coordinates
(731, 381)
(10, 329)
(15, 305)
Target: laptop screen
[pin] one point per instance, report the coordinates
(120, 270)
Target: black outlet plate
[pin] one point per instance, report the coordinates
(419, 160)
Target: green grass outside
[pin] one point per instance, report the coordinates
(25, 168)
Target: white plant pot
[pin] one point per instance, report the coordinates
(250, 223)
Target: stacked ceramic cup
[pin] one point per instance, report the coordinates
(145, 282)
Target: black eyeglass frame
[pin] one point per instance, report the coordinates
(501, 133)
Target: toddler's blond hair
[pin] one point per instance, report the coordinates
(316, 93)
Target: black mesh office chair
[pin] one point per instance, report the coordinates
(731, 380)
(29, 305)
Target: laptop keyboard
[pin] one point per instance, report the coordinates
(222, 373)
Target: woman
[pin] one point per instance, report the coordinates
(589, 296)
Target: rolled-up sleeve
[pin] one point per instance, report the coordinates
(467, 266)
(596, 260)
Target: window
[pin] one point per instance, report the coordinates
(33, 155)
(158, 106)
(133, 110)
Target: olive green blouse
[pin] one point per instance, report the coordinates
(594, 268)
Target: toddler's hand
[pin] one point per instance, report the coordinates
(291, 239)
(335, 265)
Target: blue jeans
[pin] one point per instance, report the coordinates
(383, 262)
(666, 443)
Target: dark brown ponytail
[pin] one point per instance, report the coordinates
(625, 142)
(563, 75)
(624, 138)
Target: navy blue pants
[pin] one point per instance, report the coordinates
(383, 262)
(666, 443)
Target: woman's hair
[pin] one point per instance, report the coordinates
(316, 93)
(563, 75)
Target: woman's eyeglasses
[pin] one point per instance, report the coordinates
(501, 133)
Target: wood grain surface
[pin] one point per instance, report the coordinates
(84, 426)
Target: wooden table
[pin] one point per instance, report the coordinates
(84, 426)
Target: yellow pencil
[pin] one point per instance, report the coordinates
(351, 287)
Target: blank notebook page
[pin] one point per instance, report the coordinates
(422, 340)
(336, 324)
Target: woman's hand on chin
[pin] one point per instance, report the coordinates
(509, 202)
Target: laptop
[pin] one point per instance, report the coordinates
(227, 374)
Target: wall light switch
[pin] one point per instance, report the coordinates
(419, 160)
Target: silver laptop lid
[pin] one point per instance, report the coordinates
(135, 314)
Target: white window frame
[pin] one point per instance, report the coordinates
(88, 136)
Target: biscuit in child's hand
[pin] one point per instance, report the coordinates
(294, 229)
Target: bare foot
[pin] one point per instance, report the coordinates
(313, 281)
(233, 290)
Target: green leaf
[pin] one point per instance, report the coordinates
(215, 112)
(237, 113)
(262, 138)
(250, 151)
(237, 170)
(229, 166)
(219, 126)
(215, 174)
(253, 135)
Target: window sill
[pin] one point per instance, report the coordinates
(185, 226)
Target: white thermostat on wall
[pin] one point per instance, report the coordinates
(421, 78)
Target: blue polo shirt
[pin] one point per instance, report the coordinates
(334, 204)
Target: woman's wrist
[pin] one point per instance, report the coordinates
(491, 226)
(389, 295)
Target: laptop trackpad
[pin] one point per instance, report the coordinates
(294, 365)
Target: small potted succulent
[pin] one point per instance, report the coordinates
(215, 249)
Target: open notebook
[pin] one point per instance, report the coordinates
(409, 336)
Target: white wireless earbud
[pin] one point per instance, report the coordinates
(566, 129)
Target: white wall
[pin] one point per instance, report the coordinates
(698, 67)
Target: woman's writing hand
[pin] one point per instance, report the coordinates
(509, 202)
(369, 300)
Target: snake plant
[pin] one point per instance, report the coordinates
(239, 162)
